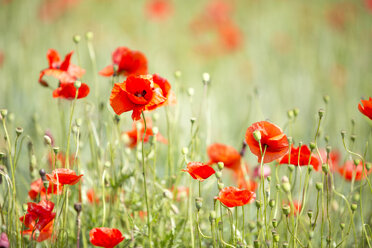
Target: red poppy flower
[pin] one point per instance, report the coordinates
(128, 63)
(223, 153)
(44, 234)
(92, 197)
(349, 169)
(37, 187)
(134, 134)
(366, 107)
(235, 197)
(68, 91)
(333, 161)
(272, 138)
(105, 237)
(301, 156)
(137, 93)
(38, 215)
(199, 171)
(63, 176)
(159, 9)
(64, 71)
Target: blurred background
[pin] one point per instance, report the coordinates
(265, 57)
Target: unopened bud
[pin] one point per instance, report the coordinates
(312, 146)
(190, 92)
(258, 204)
(286, 187)
(3, 113)
(89, 36)
(325, 168)
(47, 140)
(198, 203)
(260, 224)
(220, 185)
(268, 178)
(220, 165)
(321, 113)
(326, 138)
(291, 167)
(368, 166)
(290, 114)
(356, 197)
(78, 122)
(19, 131)
(212, 216)
(356, 161)
(77, 207)
(354, 207)
(257, 135)
(296, 111)
(310, 168)
(76, 39)
(272, 203)
(342, 226)
(107, 164)
(218, 174)
(286, 210)
(167, 194)
(319, 186)
(326, 99)
(290, 140)
(77, 84)
(310, 214)
(185, 151)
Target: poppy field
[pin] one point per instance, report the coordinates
(199, 123)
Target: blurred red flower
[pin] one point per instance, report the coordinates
(68, 91)
(63, 176)
(333, 161)
(105, 237)
(297, 207)
(366, 107)
(128, 62)
(134, 134)
(368, 4)
(138, 93)
(181, 192)
(52, 10)
(37, 187)
(218, 152)
(272, 138)
(159, 9)
(38, 215)
(231, 37)
(61, 159)
(199, 171)
(349, 169)
(235, 197)
(300, 156)
(247, 184)
(92, 197)
(1, 59)
(64, 71)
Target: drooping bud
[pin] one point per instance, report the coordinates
(218, 174)
(342, 226)
(257, 135)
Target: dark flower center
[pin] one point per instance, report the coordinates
(140, 94)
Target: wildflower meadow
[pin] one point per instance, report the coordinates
(198, 123)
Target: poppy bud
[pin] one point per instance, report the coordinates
(277, 186)
(291, 167)
(198, 203)
(77, 207)
(326, 138)
(290, 114)
(220, 185)
(343, 132)
(290, 140)
(356, 197)
(286, 187)
(89, 36)
(77, 84)
(326, 99)
(286, 210)
(368, 166)
(342, 226)
(3, 113)
(276, 238)
(175, 209)
(220, 165)
(55, 149)
(47, 140)
(42, 174)
(325, 168)
(296, 111)
(167, 194)
(312, 146)
(218, 174)
(185, 151)
(155, 117)
(212, 216)
(352, 138)
(354, 207)
(46, 184)
(19, 131)
(257, 135)
(76, 39)
(256, 244)
(319, 186)
(321, 113)
(310, 214)
(190, 92)
(272, 203)
(206, 78)
(258, 204)
(192, 119)
(334, 205)
(177, 74)
(356, 161)
(275, 223)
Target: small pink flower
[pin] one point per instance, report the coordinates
(257, 171)
(4, 242)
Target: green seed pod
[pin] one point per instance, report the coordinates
(286, 210)
(356, 161)
(276, 238)
(296, 111)
(356, 197)
(218, 174)
(291, 167)
(272, 203)
(220, 165)
(3, 113)
(353, 138)
(312, 146)
(257, 135)
(368, 166)
(19, 131)
(76, 39)
(342, 226)
(319, 186)
(354, 207)
(198, 203)
(258, 204)
(321, 113)
(212, 216)
(206, 78)
(310, 168)
(310, 214)
(274, 223)
(325, 168)
(260, 224)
